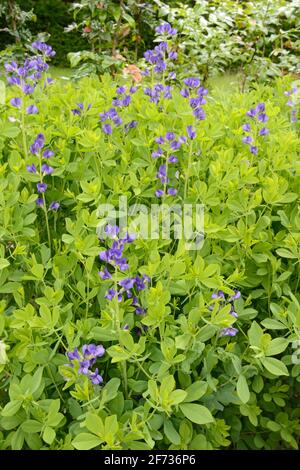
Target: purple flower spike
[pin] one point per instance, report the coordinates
(41, 187)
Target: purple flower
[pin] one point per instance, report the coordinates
(39, 201)
(166, 29)
(72, 355)
(117, 121)
(264, 131)
(254, 149)
(28, 89)
(48, 153)
(263, 118)
(246, 127)
(290, 103)
(248, 139)
(192, 82)
(31, 168)
(251, 113)
(54, 206)
(93, 350)
(16, 102)
(172, 191)
(159, 140)
(199, 114)
(112, 230)
(228, 331)
(159, 193)
(175, 145)
(172, 55)
(110, 294)
(41, 187)
(191, 132)
(260, 108)
(172, 76)
(46, 169)
(132, 89)
(172, 159)
(104, 274)
(236, 296)
(127, 283)
(84, 367)
(219, 295)
(107, 129)
(38, 144)
(96, 378)
(170, 136)
(185, 92)
(120, 90)
(126, 101)
(32, 109)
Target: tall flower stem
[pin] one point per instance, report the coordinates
(187, 175)
(23, 128)
(123, 365)
(44, 206)
(47, 222)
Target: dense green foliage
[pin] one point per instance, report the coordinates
(170, 379)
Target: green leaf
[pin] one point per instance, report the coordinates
(86, 441)
(274, 366)
(31, 426)
(11, 408)
(195, 391)
(49, 435)
(171, 432)
(243, 389)
(276, 346)
(94, 424)
(197, 413)
(3, 263)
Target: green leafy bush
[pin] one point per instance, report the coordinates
(205, 355)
